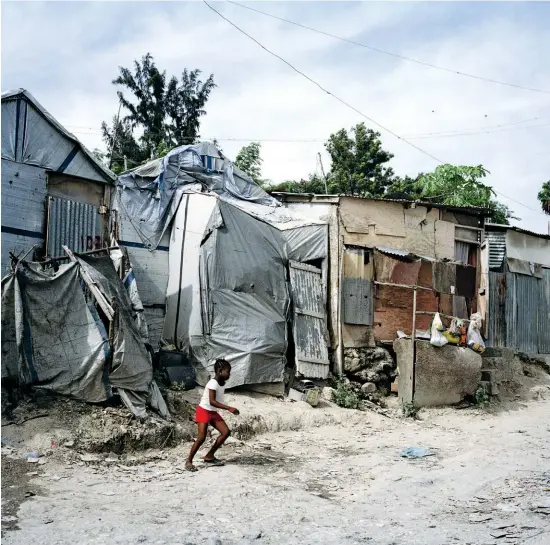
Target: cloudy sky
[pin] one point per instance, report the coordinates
(67, 54)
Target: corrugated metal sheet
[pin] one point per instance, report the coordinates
(497, 310)
(544, 314)
(74, 224)
(306, 285)
(519, 312)
(528, 298)
(497, 248)
(357, 298)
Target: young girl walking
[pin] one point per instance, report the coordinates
(207, 414)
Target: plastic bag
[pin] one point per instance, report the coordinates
(474, 338)
(436, 336)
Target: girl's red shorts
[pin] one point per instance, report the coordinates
(202, 416)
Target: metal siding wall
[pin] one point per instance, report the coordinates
(497, 310)
(544, 314)
(528, 300)
(511, 311)
(72, 224)
(23, 209)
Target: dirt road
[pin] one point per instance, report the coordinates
(488, 482)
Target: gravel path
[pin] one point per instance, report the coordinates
(487, 482)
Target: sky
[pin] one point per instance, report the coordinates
(67, 54)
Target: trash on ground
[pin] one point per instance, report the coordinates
(416, 452)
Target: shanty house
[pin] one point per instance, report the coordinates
(223, 269)
(516, 289)
(392, 265)
(54, 191)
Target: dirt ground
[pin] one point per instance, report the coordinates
(322, 476)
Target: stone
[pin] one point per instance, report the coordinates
(366, 375)
(368, 388)
(327, 393)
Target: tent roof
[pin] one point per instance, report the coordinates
(24, 94)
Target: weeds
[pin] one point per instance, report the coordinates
(344, 396)
(410, 409)
(482, 397)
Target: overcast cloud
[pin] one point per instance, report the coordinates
(66, 55)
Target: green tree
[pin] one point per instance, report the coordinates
(120, 143)
(359, 163)
(544, 197)
(459, 185)
(250, 161)
(167, 112)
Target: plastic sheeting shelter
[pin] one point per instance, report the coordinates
(54, 340)
(229, 289)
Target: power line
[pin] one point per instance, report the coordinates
(512, 126)
(391, 54)
(343, 101)
(321, 87)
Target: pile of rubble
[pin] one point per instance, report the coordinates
(373, 368)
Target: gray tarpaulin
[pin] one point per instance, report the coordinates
(59, 346)
(149, 195)
(243, 268)
(132, 371)
(53, 339)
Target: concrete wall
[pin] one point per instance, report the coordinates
(439, 376)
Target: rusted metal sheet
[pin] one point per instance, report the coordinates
(310, 335)
(73, 224)
(357, 298)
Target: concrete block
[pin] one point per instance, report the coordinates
(444, 376)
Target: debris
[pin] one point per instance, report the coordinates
(214, 540)
(480, 518)
(29, 494)
(90, 457)
(68, 444)
(48, 521)
(32, 473)
(112, 458)
(33, 457)
(498, 535)
(416, 452)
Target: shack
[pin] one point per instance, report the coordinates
(392, 265)
(54, 191)
(515, 301)
(223, 270)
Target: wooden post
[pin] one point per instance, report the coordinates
(101, 301)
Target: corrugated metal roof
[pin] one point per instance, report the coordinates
(495, 227)
(23, 93)
(472, 210)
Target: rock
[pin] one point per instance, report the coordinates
(90, 458)
(112, 458)
(69, 443)
(368, 388)
(366, 375)
(327, 393)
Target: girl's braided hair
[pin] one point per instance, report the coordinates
(220, 365)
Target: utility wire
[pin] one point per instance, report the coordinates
(396, 55)
(444, 134)
(343, 101)
(323, 88)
